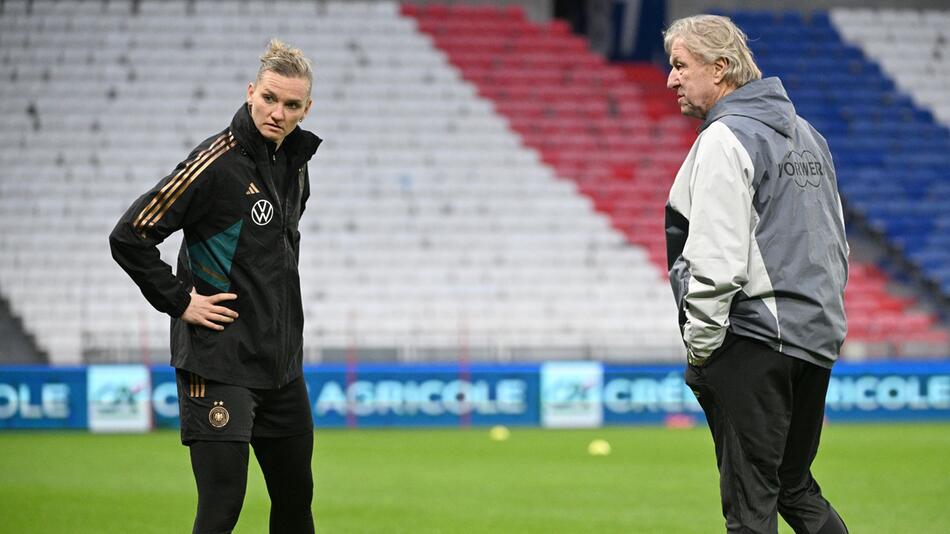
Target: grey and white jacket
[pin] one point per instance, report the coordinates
(755, 234)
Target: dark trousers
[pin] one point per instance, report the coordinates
(765, 411)
(220, 469)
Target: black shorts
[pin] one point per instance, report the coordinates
(213, 411)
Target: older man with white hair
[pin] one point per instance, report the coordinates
(758, 262)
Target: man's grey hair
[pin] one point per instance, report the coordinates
(284, 60)
(710, 37)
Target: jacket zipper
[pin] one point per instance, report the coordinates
(285, 342)
(287, 254)
(285, 356)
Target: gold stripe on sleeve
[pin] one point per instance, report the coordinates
(172, 184)
(183, 186)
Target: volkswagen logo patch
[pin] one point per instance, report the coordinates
(262, 212)
(219, 416)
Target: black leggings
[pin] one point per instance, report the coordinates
(220, 469)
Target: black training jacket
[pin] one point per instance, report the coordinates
(241, 237)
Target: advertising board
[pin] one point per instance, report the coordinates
(556, 395)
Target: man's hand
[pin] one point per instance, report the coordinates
(204, 311)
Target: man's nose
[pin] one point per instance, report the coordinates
(672, 81)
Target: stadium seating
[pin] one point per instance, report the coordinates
(429, 227)
(602, 129)
(487, 187)
(905, 196)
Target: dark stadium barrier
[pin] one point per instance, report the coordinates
(128, 398)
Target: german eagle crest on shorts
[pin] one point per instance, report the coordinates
(219, 416)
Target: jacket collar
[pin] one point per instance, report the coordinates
(299, 144)
(764, 100)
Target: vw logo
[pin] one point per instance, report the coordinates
(262, 212)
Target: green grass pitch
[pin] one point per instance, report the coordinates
(883, 478)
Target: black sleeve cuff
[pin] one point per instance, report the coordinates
(181, 304)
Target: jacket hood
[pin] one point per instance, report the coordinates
(300, 143)
(763, 100)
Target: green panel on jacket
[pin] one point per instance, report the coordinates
(211, 259)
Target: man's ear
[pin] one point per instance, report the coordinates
(719, 69)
